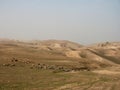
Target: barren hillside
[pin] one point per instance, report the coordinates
(56, 61)
(96, 56)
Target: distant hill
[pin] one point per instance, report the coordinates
(53, 51)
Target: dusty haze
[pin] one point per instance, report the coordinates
(83, 21)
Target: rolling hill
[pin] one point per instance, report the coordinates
(49, 65)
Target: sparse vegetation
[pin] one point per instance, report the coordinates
(25, 68)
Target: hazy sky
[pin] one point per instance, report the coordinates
(83, 21)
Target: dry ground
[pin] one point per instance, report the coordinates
(18, 71)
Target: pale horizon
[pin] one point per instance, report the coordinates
(85, 22)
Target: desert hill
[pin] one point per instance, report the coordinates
(59, 65)
(65, 52)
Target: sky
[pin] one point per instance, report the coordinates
(82, 21)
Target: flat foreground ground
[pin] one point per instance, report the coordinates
(24, 78)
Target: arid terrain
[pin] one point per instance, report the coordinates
(59, 65)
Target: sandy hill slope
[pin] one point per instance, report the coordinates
(56, 45)
(61, 52)
(108, 50)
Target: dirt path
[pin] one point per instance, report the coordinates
(109, 71)
(106, 72)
